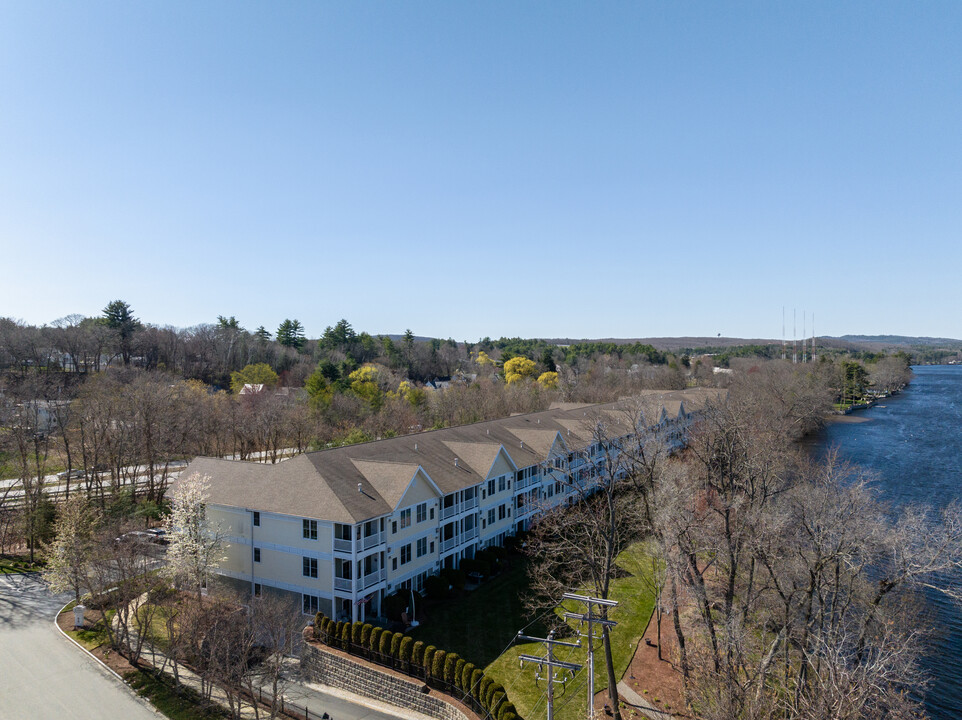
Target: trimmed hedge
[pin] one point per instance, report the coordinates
(404, 649)
(450, 663)
(437, 667)
(385, 646)
(429, 653)
(482, 689)
(476, 677)
(442, 666)
(465, 678)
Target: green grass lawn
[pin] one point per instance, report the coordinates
(92, 637)
(637, 603)
(479, 627)
(18, 564)
(177, 703)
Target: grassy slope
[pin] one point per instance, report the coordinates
(480, 626)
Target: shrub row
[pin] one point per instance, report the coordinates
(448, 668)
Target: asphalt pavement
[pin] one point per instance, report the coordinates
(43, 676)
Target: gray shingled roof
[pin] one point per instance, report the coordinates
(324, 484)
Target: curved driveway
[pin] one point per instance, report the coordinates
(43, 676)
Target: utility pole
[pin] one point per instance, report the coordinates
(549, 662)
(590, 618)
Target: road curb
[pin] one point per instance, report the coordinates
(142, 700)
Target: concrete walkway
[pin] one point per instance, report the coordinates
(317, 700)
(640, 704)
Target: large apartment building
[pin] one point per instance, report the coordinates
(342, 528)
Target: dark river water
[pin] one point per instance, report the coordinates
(913, 442)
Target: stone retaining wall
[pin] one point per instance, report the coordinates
(330, 669)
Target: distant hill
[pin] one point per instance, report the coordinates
(890, 340)
(670, 344)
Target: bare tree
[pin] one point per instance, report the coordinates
(576, 546)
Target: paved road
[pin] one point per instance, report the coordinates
(42, 675)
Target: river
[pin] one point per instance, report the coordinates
(913, 442)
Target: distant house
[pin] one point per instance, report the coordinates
(340, 529)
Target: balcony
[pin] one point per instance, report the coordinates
(459, 508)
(343, 584)
(372, 578)
(343, 546)
(449, 544)
(371, 541)
(469, 534)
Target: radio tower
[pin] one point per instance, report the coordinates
(813, 337)
(804, 341)
(783, 332)
(794, 335)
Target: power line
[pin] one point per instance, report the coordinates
(592, 620)
(550, 663)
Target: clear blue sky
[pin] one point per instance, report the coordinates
(467, 169)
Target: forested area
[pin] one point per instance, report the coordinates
(786, 588)
(114, 405)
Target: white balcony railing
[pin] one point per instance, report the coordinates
(469, 534)
(372, 540)
(343, 584)
(372, 578)
(449, 543)
(469, 504)
(447, 512)
(343, 546)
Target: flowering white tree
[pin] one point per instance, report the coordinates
(69, 555)
(195, 547)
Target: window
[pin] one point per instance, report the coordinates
(311, 604)
(422, 547)
(501, 512)
(394, 527)
(422, 512)
(394, 563)
(257, 554)
(501, 482)
(406, 518)
(406, 554)
(310, 567)
(432, 513)
(491, 486)
(490, 516)
(257, 589)
(432, 547)
(310, 529)
(257, 519)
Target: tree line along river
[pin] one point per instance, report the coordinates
(913, 444)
